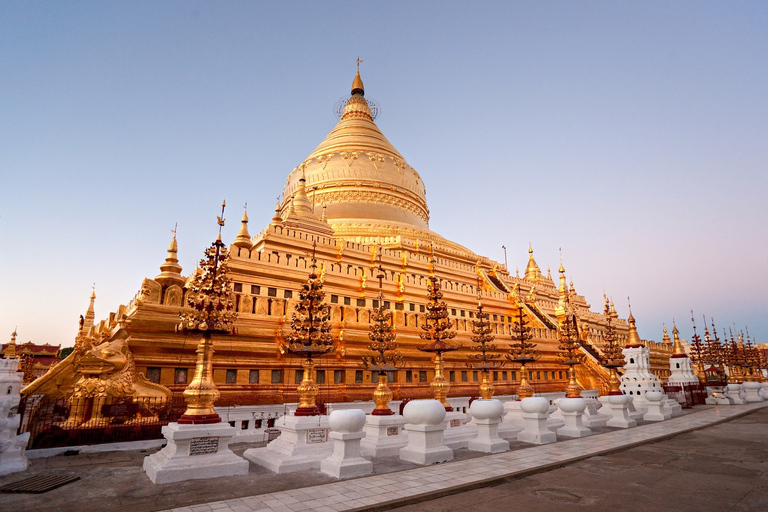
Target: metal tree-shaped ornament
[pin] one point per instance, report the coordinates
(570, 351)
(386, 357)
(612, 357)
(698, 351)
(481, 328)
(211, 311)
(310, 336)
(751, 361)
(522, 352)
(437, 330)
(717, 354)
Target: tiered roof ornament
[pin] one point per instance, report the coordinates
(386, 357)
(243, 238)
(437, 330)
(211, 310)
(310, 337)
(170, 271)
(532, 271)
(481, 328)
(613, 356)
(633, 339)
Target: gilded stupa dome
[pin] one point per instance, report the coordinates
(364, 183)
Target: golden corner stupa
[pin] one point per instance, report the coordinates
(353, 204)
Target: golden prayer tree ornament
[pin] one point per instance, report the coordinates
(386, 358)
(570, 350)
(437, 330)
(211, 311)
(522, 352)
(481, 328)
(310, 336)
(612, 355)
(698, 351)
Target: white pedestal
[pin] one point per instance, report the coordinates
(512, 421)
(734, 393)
(656, 412)
(457, 431)
(572, 410)
(425, 445)
(592, 417)
(618, 407)
(752, 392)
(384, 436)
(193, 452)
(346, 461)
(302, 444)
(535, 412)
(671, 406)
(486, 416)
(12, 446)
(636, 407)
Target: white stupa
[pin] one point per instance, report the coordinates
(679, 363)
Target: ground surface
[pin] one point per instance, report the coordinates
(717, 468)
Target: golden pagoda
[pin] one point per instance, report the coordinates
(353, 204)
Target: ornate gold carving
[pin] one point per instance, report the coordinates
(371, 196)
(107, 375)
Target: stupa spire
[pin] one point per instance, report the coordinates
(10, 350)
(170, 271)
(243, 238)
(678, 347)
(633, 340)
(357, 83)
(532, 271)
(666, 339)
(87, 322)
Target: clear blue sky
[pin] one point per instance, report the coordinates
(634, 135)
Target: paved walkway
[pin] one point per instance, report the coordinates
(426, 483)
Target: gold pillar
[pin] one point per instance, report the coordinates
(201, 393)
(614, 383)
(440, 386)
(573, 390)
(524, 390)
(381, 397)
(307, 391)
(486, 388)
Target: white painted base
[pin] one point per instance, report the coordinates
(671, 406)
(458, 435)
(619, 412)
(175, 464)
(425, 445)
(512, 421)
(346, 461)
(752, 392)
(592, 417)
(636, 407)
(384, 436)
(291, 452)
(574, 425)
(12, 446)
(535, 429)
(656, 412)
(734, 393)
(488, 440)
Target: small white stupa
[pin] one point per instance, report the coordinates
(679, 363)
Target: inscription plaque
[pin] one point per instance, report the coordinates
(455, 423)
(203, 445)
(393, 431)
(317, 435)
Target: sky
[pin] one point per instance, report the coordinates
(631, 135)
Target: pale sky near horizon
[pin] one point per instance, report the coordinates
(634, 135)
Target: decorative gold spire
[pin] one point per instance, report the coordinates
(87, 322)
(633, 340)
(170, 271)
(243, 238)
(357, 83)
(665, 339)
(10, 350)
(532, 271)
(678, 350)
(277, 218)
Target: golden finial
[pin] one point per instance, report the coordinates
(357, 83)
(243, 238)
(93, 291)
(221, 219)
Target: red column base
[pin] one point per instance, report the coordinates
(382, 412)
(199, 419)
(307, 411)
